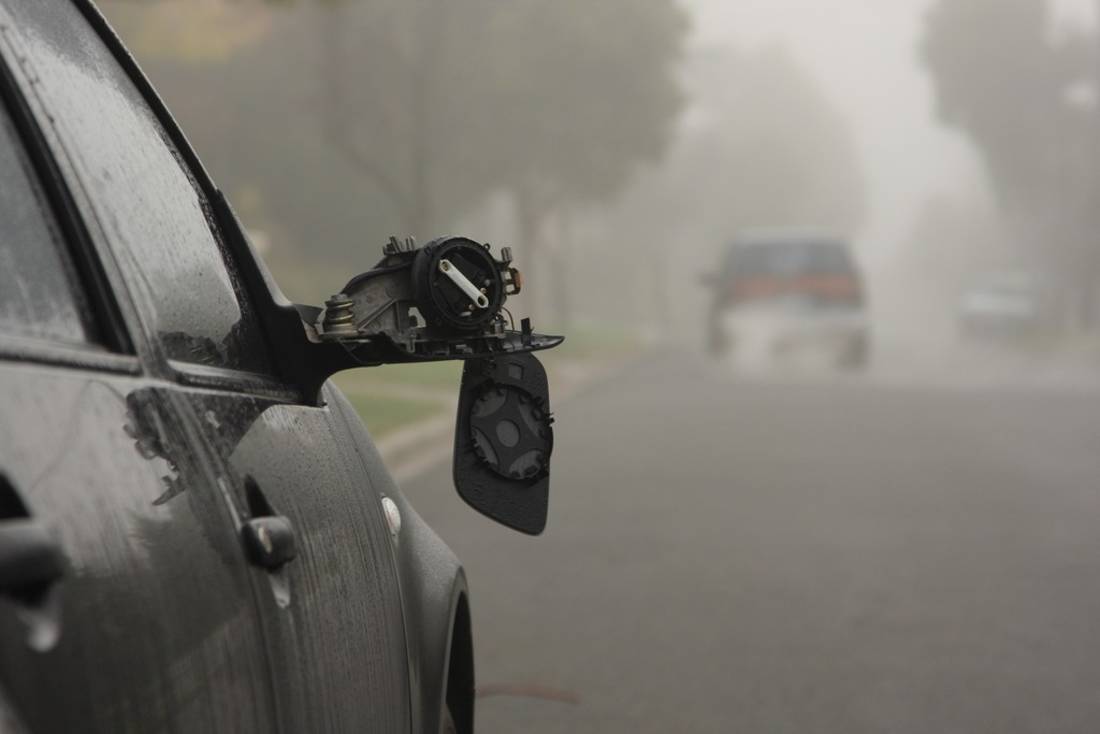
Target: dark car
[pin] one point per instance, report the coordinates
(196, 532)
(786, 295)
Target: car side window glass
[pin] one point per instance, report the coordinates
(143, 193)
(40, 296)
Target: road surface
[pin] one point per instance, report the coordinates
(738, 555)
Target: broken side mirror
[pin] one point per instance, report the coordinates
(445, 301)
(503, 440)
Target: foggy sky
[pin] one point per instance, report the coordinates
(864, 52)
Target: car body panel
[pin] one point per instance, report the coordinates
(433, 588)
(332, 616)
(794, 334)
(157, 598)
(364, 640)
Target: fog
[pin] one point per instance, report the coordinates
(828, 274)
(865, 55)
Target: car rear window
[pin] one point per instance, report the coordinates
(788, 259)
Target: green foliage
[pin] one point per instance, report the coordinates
(384, 415)
(431, 376)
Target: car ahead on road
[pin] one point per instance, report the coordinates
(793, 297)
(197, 533)
(1005, 306)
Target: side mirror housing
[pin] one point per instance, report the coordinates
(445, 301)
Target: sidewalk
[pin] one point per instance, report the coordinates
(421, 444)
(410, 409)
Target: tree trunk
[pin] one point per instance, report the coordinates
(528, 231)
(411, 196)
(431, 22)
(561, 310)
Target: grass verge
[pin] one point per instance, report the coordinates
(429, 375)
(391, 397)
(384, 415)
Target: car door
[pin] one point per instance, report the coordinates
(124, 603)
(331, 617)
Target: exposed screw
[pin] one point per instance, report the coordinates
(396, 246)
(339, 317)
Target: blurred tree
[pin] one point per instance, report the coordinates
(586, 91)
(1025, 94)
(357, 117)
(200, 31)
(555, 103)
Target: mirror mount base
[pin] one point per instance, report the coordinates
(442, 301)
(445, 301)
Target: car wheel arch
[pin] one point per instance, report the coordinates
(459, 684)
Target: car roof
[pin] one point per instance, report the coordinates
(786, 236)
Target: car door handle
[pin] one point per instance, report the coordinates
(30, 557)
(269, 541)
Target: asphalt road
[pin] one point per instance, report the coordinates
(803, 556)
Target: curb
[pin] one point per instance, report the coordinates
(411, 451)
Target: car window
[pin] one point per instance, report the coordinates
(143, 194)
(831, 258)
(789, 259)
(40, 296)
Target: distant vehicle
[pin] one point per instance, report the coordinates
(787, 296)
(1007, 305)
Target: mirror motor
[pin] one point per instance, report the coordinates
(446, 300)
(442, 301)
